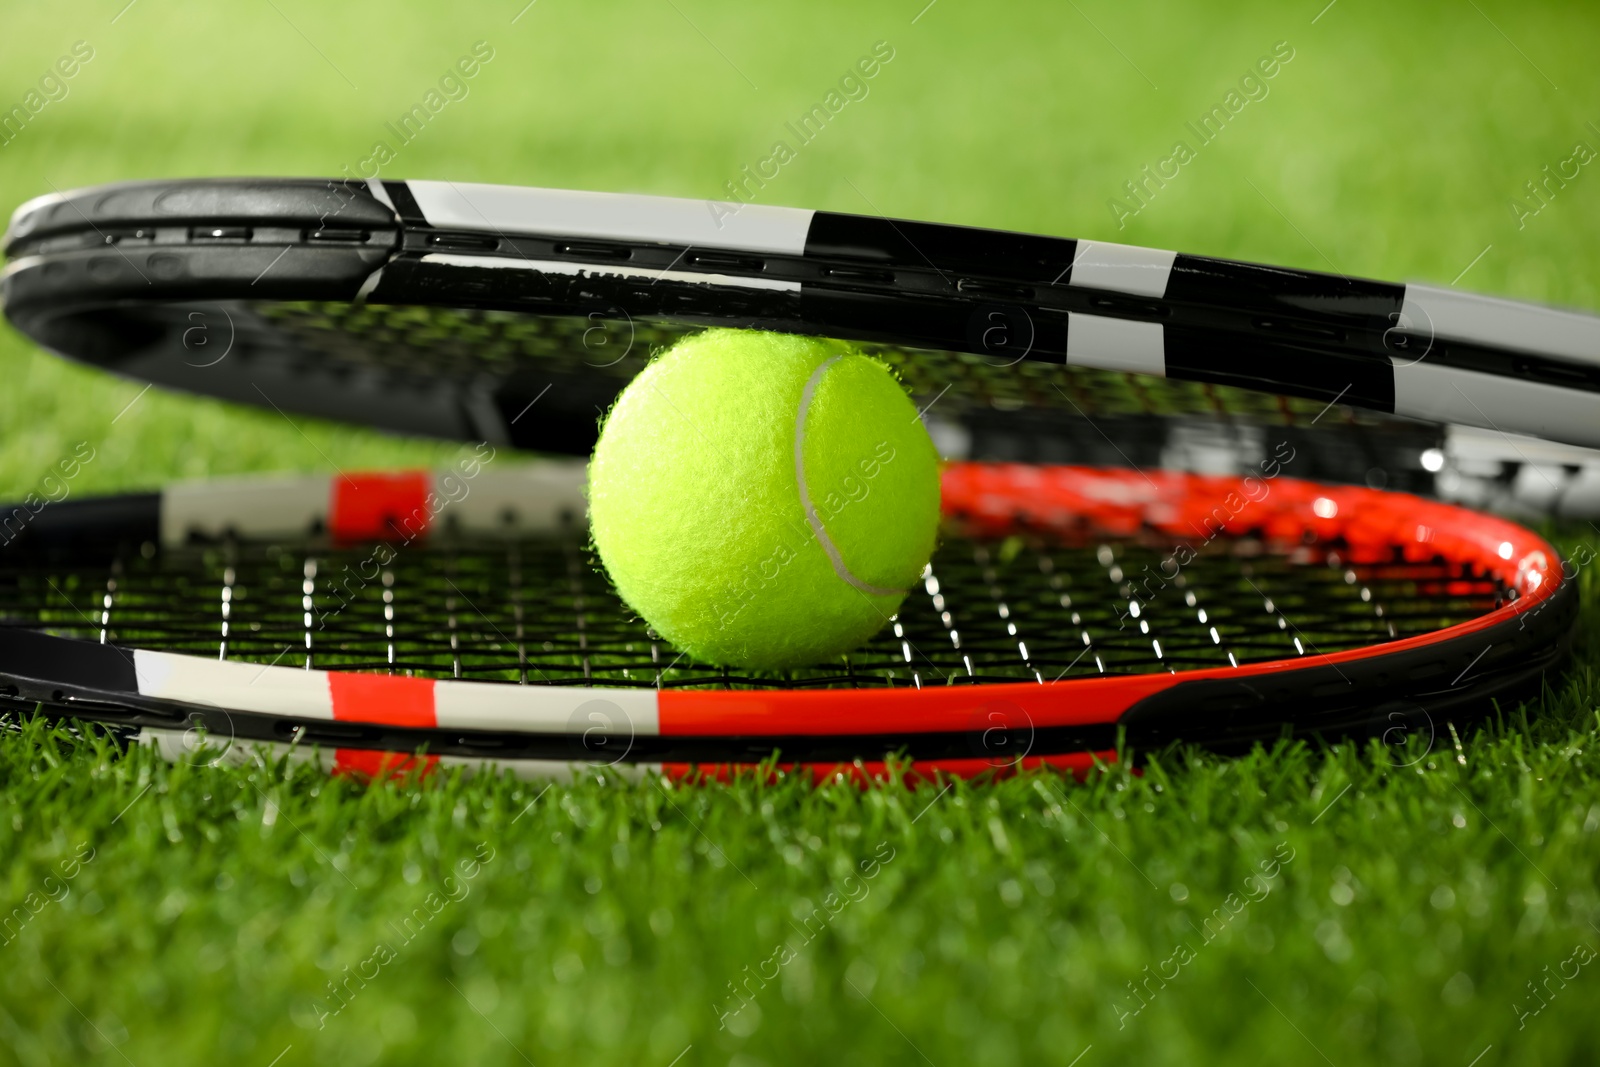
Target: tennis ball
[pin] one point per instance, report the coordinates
(764, 500)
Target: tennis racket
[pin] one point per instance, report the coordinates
(385, 623)
(447, 308)
(514, 316)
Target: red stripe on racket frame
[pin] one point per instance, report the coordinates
(933, 709)
(389, 700)
(382, 506)
(865, 772)
(384, 699)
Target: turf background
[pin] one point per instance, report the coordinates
(1423, 897)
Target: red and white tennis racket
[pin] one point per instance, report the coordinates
(387, 622)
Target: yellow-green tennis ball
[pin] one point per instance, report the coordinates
(764, 500)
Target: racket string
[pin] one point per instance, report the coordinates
(1031, 606)
(936, 599)
(1000, 607)
(1029, 410)
(308, 589)
(109, 597)
(230, 554)
(450, 614)
(575, 586)
(514, 587)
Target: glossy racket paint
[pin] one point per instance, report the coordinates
(406, 619)
(499, 293)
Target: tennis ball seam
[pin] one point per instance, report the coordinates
(815, 520)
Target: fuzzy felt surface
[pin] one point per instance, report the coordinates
(696, 504)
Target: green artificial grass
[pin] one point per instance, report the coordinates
(1419, 886)
(1368, 903)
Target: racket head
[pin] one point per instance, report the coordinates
(513, 316)
(369, 618)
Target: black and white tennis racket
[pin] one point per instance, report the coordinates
(514, 316)
(360, 301)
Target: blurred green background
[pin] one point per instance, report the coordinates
(1390, 146)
